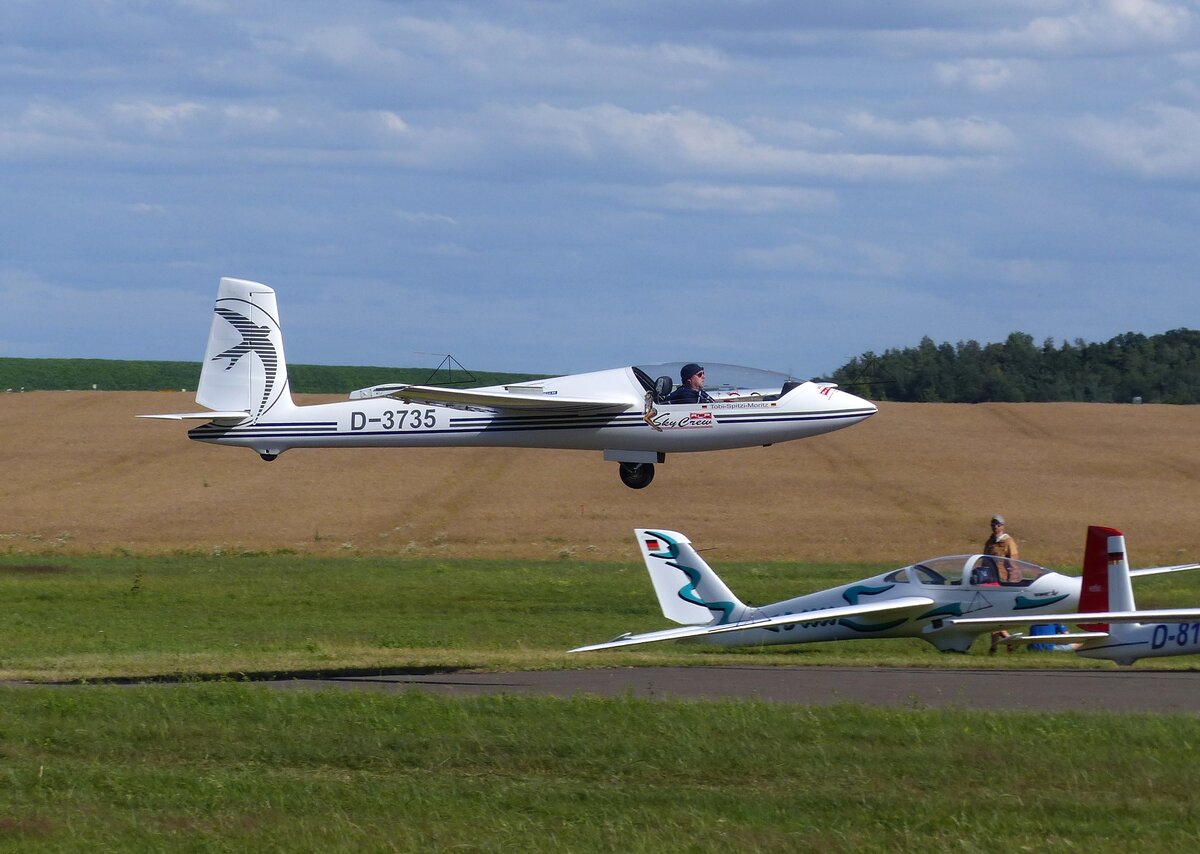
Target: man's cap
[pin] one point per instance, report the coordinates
(998, 519)
(689, 370)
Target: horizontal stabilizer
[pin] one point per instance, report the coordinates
(227, 418)
(527, 400)
(907, 603)
(376, 391)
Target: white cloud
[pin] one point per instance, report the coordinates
(831, 256)
(1166, 145)
(56, 119)
(393, 122)
(1111, 24)
(423, 217)
(157, 117)
(685, 140)
(972, 133)
(351, 47)
(732, 198)
(979, 75)
(516, 148)
(1079, 28)
(464, 57)
(468, 39)
(252, 115)
(793, 133)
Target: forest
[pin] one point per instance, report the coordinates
(1129, 368)
(1132, 367)
(120, 375)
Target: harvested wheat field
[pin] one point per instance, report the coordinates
(81, 474)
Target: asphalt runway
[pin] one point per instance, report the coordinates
(1157, 691)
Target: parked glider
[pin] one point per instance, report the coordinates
(623, 412)
(920, 600)
(1112, 626)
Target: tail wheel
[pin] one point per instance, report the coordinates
(637, 475)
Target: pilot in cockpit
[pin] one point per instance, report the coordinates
(985, 573)
(691, 388)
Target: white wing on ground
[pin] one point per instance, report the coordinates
(891, 606)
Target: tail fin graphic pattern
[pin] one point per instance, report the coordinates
(688, 590)
(244, 366)
(1105, 585)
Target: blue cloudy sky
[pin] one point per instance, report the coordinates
(560, 187)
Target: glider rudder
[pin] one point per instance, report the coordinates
(1105, 585)
(244, 366)
(688, 590)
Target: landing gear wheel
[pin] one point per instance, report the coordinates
(637, 475)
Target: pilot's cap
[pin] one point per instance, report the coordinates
(689, 370)
(998, 520)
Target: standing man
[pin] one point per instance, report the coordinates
(1002, 545)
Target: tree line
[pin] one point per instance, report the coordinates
(1162, 368)
(132, 375)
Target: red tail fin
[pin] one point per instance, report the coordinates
(1093, 593)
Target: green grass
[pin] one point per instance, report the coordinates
(70, 617)
(223, 765)
(235, 767)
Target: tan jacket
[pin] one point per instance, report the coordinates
(1004, 546)
(1001, 546)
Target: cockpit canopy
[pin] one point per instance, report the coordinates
(971, 571)
(722, 382)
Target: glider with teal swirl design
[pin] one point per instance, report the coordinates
(688, 592)
(1024, 603)
(851, 597)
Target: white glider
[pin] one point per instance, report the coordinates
(1113, 627)
(625, 412)
(918, 600)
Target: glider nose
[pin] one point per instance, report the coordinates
(852, 408)
(868, 408)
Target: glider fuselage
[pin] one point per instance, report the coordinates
(951, 596)
(727, 422)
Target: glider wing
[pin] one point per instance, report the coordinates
(893, 606)
(519, 399)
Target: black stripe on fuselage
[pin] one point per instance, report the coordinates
(498, 424)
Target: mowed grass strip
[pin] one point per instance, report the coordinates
(239, 767)
(70, 617)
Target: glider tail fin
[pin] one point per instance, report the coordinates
(688, 590)
(1105, 585)
(244, 367)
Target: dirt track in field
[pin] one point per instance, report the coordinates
(81, 474)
